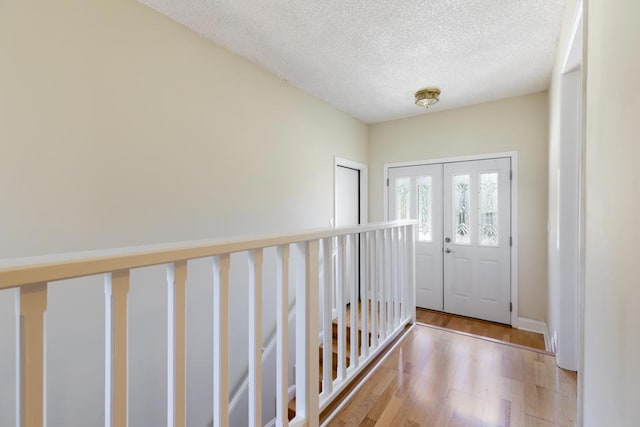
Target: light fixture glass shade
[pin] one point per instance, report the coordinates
(427, 97)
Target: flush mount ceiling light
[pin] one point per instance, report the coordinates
(427, 97)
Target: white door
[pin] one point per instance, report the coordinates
(347, 196)
(416, 192)
(477, 232)
(347, 212)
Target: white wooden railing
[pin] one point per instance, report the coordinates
(385, 288)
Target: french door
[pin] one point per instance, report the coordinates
(463, 257)
(416, 192)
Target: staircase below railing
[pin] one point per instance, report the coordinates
(374, 270)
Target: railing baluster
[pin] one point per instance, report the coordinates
(388, 278)
(255, 338)
(17, 351)
(403, 273)
(353, 297)
(33, 304)
(365, 307)
(221, 341)
(411, 242)
(327, 326)
(382, 311)
(381, 295)
(117, 384)
(282, 313)
(307, 402)
(397, 277)
(393, 276)
(341, 305)
(176, 350)
(108, 351)
(373, 263)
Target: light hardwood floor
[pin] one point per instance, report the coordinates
(480, 327)
(440, 378)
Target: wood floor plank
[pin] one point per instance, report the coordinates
(480, 327)
(439, 378)
(389, 412)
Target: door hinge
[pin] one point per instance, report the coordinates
(511, 175)
(511, 307)
(387, 182)
(510, 241)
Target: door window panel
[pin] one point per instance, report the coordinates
(403, 197)
(425, 209)
(488, 209)
(461, 209)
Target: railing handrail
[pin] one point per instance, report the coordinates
(19, 272)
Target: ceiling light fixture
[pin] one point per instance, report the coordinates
(427, 97)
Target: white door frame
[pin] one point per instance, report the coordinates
(364, 188)
(513, 155)
(572, 62)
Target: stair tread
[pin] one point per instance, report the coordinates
(334, 350)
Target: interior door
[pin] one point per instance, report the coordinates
(347, 212)
(415, 192)
(477, 232)
(347, 196)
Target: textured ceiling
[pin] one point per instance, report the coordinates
(368, 57)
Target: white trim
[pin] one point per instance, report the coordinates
(513, 155)
(364, 188)
(450, 159)
(292, 392)
(514, 234)
(577, 40)
(538, 327)
(573, 41)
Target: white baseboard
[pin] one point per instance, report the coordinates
(538, 327)
(292, 392)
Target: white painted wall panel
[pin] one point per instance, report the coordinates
(612, 318)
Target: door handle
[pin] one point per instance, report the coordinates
(448, 251)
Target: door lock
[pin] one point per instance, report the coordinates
(448, 239)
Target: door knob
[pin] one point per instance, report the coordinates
(448, 251)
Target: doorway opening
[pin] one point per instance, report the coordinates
(350, 210)
(350, 204)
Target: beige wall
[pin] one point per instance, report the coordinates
(515, 124)
(612, 288)
(120, 127)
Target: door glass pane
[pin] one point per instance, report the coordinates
(461, 185)
(403, 197)
(424, 209)
(488, 209)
